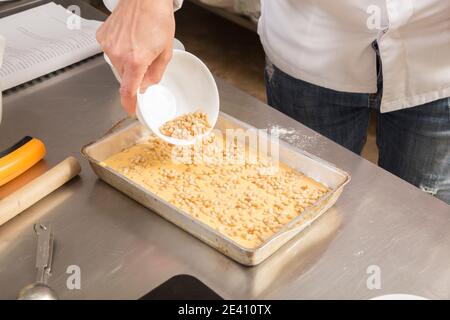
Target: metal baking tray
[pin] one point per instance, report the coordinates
(125, 135)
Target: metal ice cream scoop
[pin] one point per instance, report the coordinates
(40, 290)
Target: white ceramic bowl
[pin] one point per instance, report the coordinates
(187, 86)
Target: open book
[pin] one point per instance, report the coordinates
(42, 40)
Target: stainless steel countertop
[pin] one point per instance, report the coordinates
(124, 250)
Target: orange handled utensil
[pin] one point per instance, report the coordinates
(19, 158)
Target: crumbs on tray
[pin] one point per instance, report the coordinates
(238, 199)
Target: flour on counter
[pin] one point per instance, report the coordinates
(294, 137)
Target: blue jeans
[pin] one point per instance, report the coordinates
(413, 143)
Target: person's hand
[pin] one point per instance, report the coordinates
(138, 38)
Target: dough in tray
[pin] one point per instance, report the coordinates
(244, 196)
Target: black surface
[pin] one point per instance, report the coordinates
(182, 287)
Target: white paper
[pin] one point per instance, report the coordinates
(42, 40)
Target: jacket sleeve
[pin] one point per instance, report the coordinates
(111, 4)
(177, 4)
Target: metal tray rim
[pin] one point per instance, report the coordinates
(285, 229)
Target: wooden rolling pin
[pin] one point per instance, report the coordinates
(37, 189)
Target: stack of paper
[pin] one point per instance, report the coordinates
(42, 40)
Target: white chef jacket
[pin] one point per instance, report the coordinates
(328, 43)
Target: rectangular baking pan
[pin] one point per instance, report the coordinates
(129, 132)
